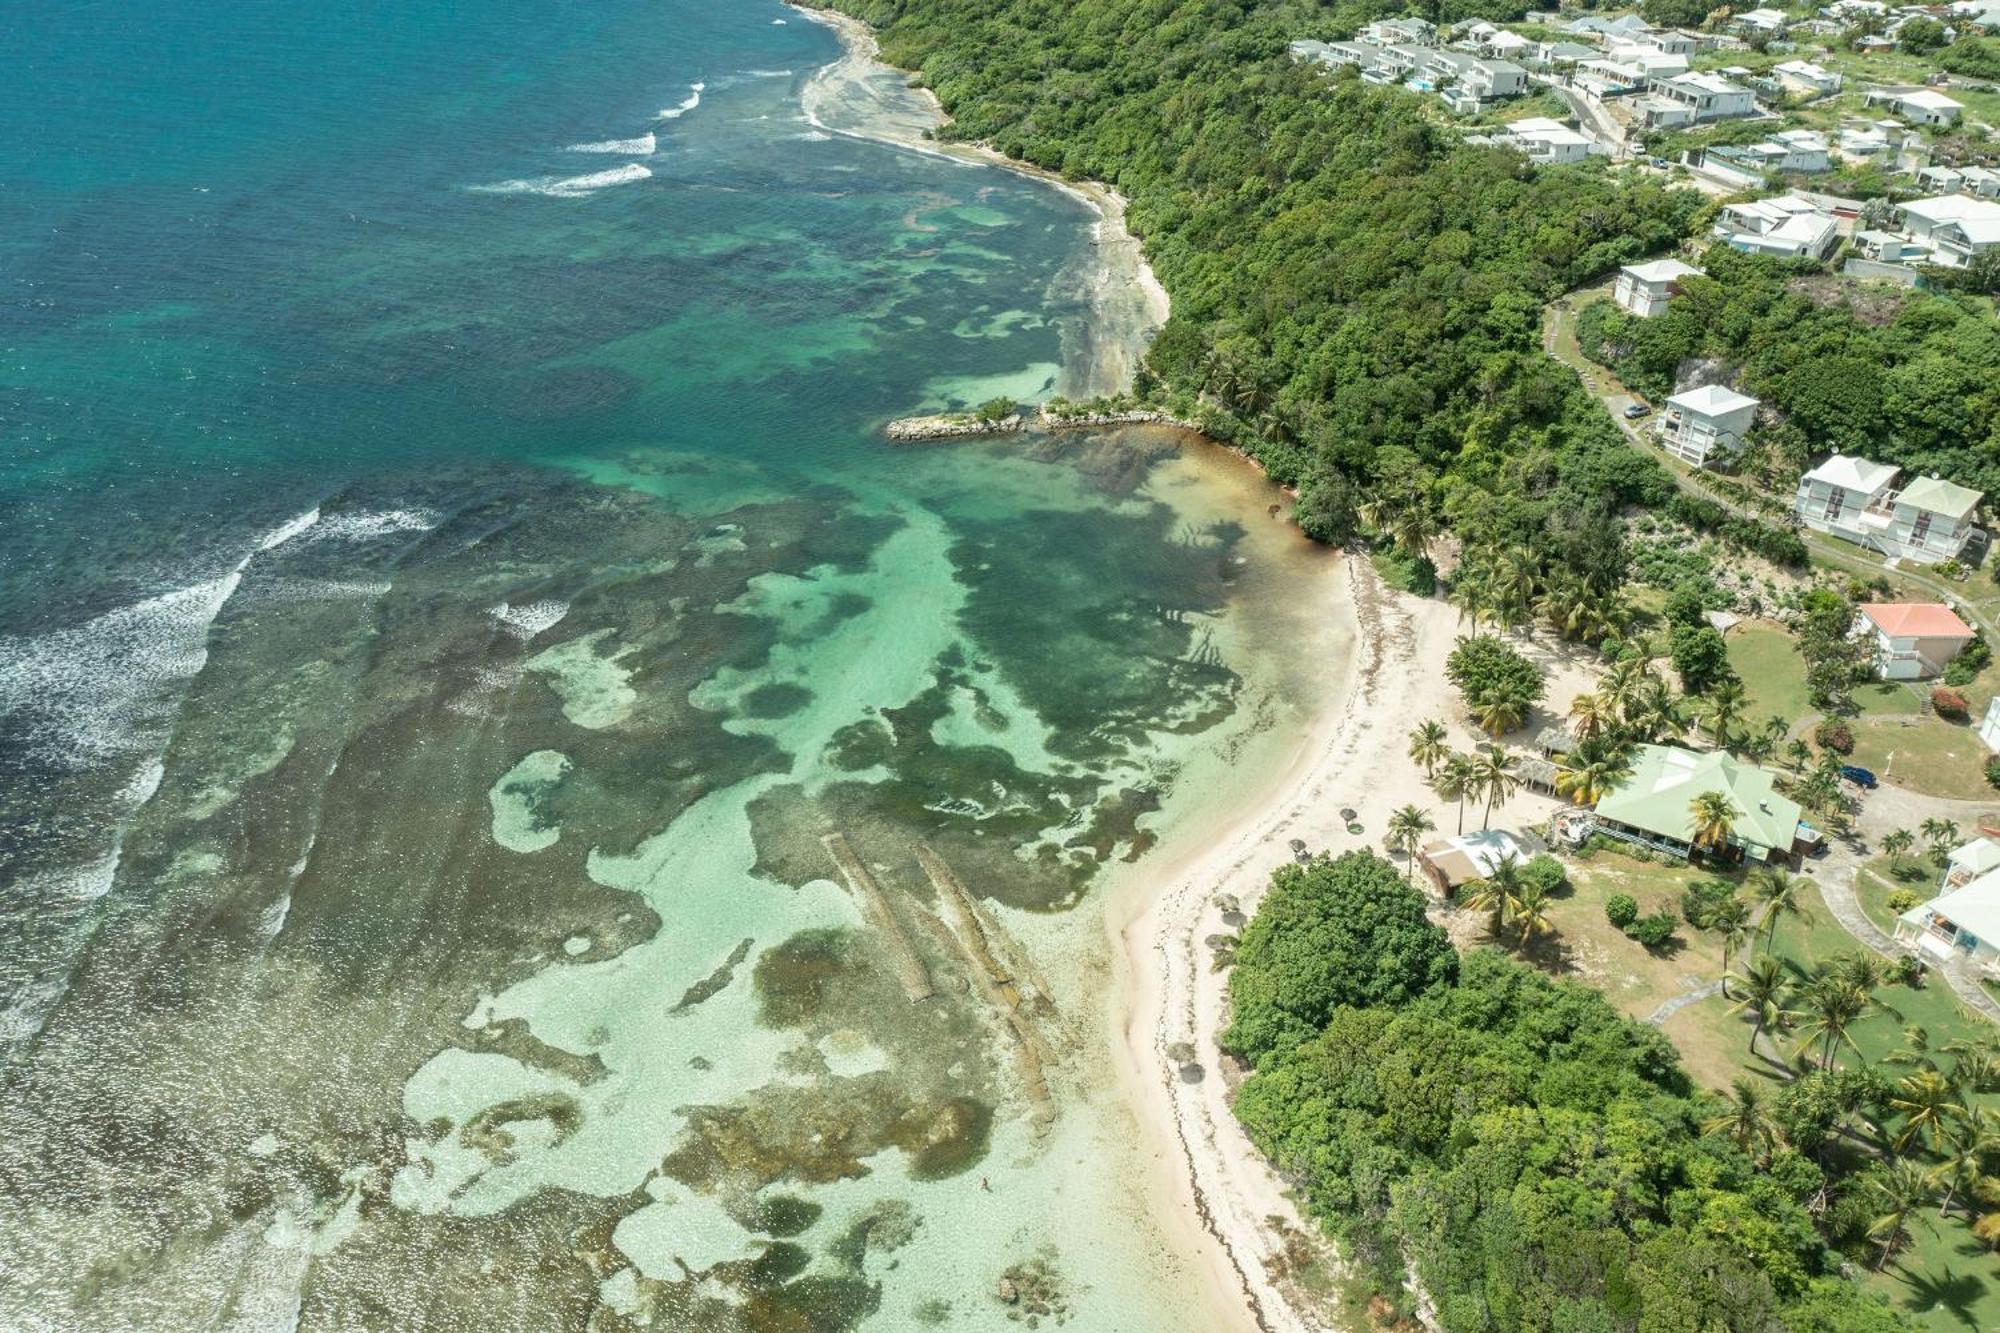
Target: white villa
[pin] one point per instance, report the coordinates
(1788, 225)
(1806, 77)
(1854, 499)
(1762, 21)
(1911, 640)
(1693, 99)
(1979, 182)
(1547, 141)
(1645, 289)
(1921, 105)
(1957, 228)
(1706, 423)
(1803, 151)
(1959, 928)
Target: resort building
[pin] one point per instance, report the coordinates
(1645, 289)
(1989, 726)
(1653, 806)
(1847, 498)
(1968, 862)
(1790, 225)
(1706, 424)
(1957, 228)
(1400, 32)
(1693, 99)
(1957, 929)
(1932, 521)
(1912, 640)
(1452, 863)
(1921, 105)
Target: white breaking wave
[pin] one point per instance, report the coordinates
(568, 187)
(813, 136)
(688, 103)
(767, 74)
(641, 146)
(364, 523)
(528, 621)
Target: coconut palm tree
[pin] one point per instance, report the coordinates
(1498, 894)
(1714, 814)
(1730, 919)
(1763, 992)
(1927, 1101)
(1745, 1119)
(1725, 706)
(1831, 1007)
(1970, 1142)
(1591, 715)
(1623, 685)
(1407, 828)
(1531, 912)
(1976, 1063)
(1458, 778)
(1779, 895)
(1592, 771)
(1496, 779)
(1502, 711)
(1799, 753)
(1427, 746)
(1655, 713)
(1939, 833)
(1897, 844)
(1900, 1194)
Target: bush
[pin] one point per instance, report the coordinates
(996, 409)
(1902, 900)
(1993, 771)
(1909, 970)
(1834, 735)
(1621, 910)
(1484, 668)
(1701, 898)
(1950, 704)
(1971, 660)
(1653, 931)
(1545, 873)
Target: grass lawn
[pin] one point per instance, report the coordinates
(1774, 675)
(1925, 755)
(1590, 949)
(1880, 877)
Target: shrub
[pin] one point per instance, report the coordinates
(1545, 873)
(1993, 771)
(1909, 970)
(1834, 735)
(1701, 898)
(996, 409)
(1653, 931)
(1950, 704)
(1902, 900)
(1621, 910)
(1971, 660)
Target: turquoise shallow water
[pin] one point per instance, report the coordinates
(456, 614)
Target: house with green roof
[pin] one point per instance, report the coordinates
(1653, 806)
(1932, 520)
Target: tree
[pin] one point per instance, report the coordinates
(1940, 833)
(1762, 991)
(1330, 933)
(1730, 919)
(1970, 1142)
(1830, 1008)
(1726, 701)
(1495, 778)
(1492, 676)
(1897, 844)
(1407, 828)
(1428, 746)
(1714, 815)
(1920, 36)
(1927, 1101)
(1591, 714)
(1779, 895)
(1699, 655)
(1899, 1194)
(1458, 778)
(1593, 771)
(1531, 912)
(1502, 711)
(1745, 1120)
(1498, 894)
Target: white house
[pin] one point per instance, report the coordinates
(1706, 423)
(1693, 99)
(1932, 520)
(1912, 640)
(1801, 151)
(1788, 225)
(1921, 105)
(1548, 142)
(1645, 289)
(1989, 726)
(1957, 228)
(1400, 32)
(1761, 21)
(1957, 929)
(1847, 498)
(1806, 77)
(1667, 41)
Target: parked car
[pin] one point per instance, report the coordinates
(1859, 776)
(1636, 410)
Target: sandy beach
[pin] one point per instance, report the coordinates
(858, 95)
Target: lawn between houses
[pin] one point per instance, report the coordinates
(1946, 1279)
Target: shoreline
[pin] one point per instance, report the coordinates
(863, 98)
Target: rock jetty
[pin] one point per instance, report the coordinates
(952, 426)
(1138, 416)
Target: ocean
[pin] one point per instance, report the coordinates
(518, 808)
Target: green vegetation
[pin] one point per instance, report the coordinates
(1532, 1157)
(1498, 685)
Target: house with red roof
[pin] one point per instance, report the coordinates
(1912, 640)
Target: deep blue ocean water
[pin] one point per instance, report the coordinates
(452, 588)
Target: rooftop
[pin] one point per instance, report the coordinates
(1712, 400)
(1666, 779)
(1916, 620)
(1662, 270)
(1940, 497)
(1853, 474)
(1974, 909)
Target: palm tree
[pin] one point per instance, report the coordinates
(1831, 1007)
(1897, 845)
(1725, 706)
(1926, 1100)
(1730, 919)
(1900, 1192)
(1499, 893)
(1590, 715)
(1939, 833)
(1407, 827)
(1774, 731)
(1458, 778)
(1427, 746)
(1778, 894)
(1969, 1144)
(1592, 771)
(1655, 713)
(1799, 753)
(1714, 815)
(1624, 684)
(1745, 1120)
(1496, 779)
(1531, 912)
(1502, 711)
(1762, 991)
(1976, 1067)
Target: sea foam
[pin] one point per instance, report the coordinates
(641, 146)
(687, 104)
(568, 187)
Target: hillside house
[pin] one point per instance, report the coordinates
(1645, 289)
(1548, 142)
(1957, 929)
(1922, 106)
(1400, 32)
(1848, 498)
(1979, 182)
(1804, 76)
(1706, 425)
(1693, 99)
(1911, 640)
(1956, 228)
(1932, 521)
(1652, 806)
(1761, 22)
(1788, 225)
(1802, 151)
